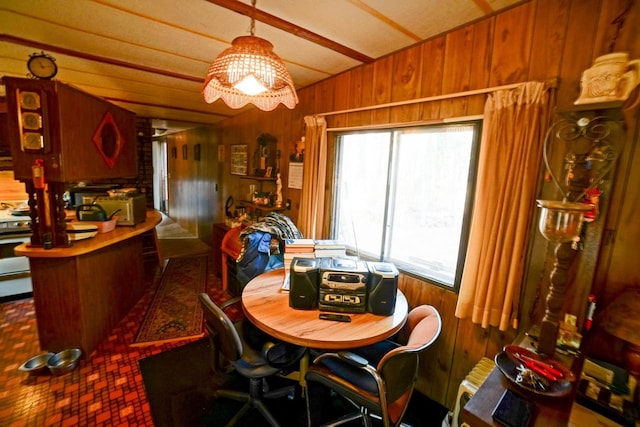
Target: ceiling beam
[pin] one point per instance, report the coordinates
(168, 107)
(303, 33)
(52, 48)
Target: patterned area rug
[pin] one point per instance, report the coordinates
(175, 313)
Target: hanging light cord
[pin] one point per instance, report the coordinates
(252, 29)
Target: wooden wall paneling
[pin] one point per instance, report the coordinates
(498, 339)
(355, 96)
(434, 370)
(210, 205)
(459, 50)
(579, 47)
(431, 80)
(325, 94)
(405, 84)
(382, 70)
(483, 32)
(341, 99)
(183, 203)
(512, 45)
(306, 104)
(549, 39)
(618, 18)
(628, 40)
(471, 346)
(618, 269)
(364, 118)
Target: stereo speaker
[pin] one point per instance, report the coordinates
(382, 288)
(303, 286)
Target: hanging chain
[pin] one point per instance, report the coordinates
(252, 29)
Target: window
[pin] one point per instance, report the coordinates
(404, 196)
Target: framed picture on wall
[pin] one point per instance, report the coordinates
(184, 151)
(238, 159)
(196, 152)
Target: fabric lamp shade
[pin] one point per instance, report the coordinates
(250, 72)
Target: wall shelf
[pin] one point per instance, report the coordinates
(262, 207)
(258, 178)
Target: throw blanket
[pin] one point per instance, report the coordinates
(261, 245)
(274, 223)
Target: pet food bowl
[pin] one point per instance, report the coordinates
(37, 364)
(65, 361)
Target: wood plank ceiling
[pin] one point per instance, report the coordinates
(151, 56)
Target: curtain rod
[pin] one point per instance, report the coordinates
(551, 82)
(408, 124)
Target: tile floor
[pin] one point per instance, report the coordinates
(106, 388)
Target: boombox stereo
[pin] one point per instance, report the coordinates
(382, 288)
(303, 283)
(343, 285)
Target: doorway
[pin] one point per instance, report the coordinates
(160, 176)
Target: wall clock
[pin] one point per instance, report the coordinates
(29, 100)
(31, 120)
(42, 66)
(32, 141)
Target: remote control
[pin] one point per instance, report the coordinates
(335, 317)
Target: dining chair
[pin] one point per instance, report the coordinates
(378, 379)
(229, 340)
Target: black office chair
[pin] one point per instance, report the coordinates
(229, 340)
(378, 379)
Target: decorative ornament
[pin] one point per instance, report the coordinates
(611, 78)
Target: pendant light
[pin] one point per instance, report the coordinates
(250, 72)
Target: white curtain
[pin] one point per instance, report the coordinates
(515, 123)
(314, 177)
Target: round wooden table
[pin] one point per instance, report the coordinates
(266, 305)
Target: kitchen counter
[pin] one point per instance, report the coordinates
(101, 240)
(82, 292)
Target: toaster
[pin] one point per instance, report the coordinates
(133, 209)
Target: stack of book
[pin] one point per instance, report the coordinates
(296, 248)
(330, 249)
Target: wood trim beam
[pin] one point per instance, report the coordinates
(44, 46)
(373, 12)
(484, 6)
(149, 104)
(274, 21)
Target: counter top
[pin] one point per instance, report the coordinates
(101, 240)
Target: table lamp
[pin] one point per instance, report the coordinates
(620, 319)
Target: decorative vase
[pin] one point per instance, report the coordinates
(611, 78)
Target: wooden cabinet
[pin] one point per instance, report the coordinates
(81, 293)
(60, 135)
(76, 136)
(5, 147)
